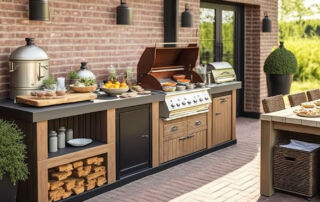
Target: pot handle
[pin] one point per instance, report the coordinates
(11, 68)
(40, 67)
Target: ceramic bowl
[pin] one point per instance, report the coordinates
(79, 142)
(181, 88)
(190, 86)
(115, 91)
(168, 88)
(86, 89)
(178, 76)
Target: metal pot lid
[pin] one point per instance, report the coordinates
(29, 52)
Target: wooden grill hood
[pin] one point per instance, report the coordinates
(163, 62)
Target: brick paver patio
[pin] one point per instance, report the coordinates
(231, 174)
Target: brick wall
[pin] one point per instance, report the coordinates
(81, 30)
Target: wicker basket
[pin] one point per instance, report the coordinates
(296, 171)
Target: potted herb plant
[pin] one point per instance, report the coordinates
(50, 83)
(279, 67)
(74, 77)
(12, 160)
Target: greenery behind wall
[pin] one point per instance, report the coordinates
(299, 28)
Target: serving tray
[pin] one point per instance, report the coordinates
(68, 98)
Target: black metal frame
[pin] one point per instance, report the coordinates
(99, 190)
(170, 20)
(239, 47)
(128, 109)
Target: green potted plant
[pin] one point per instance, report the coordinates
(50, 83)
(12, 160)
(279, 67)
(74, 77)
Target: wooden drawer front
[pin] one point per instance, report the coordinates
(174, 129)
(184, 145)
(197, 124)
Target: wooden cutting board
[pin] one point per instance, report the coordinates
(68, 98)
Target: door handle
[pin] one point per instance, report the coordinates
(145, 136)
(217, 114)
(183, 138)
(197, 123)
(174, 128)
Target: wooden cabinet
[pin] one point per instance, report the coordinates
(183, 136)
(222, 119)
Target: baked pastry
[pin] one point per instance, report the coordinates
(308, 105)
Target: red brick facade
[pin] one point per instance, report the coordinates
(81, 30)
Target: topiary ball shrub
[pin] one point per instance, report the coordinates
(12, 152)
(281, 61)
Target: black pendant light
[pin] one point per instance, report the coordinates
(124, 14)
(266, 23)
(39, 10)
(187, 18)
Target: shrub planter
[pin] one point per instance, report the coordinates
(8, 191)
(279, 67)
(279, 84)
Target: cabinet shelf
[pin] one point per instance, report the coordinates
(71, 154)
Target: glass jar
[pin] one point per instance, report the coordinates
(53, 141)
(61, 137)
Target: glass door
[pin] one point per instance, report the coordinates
(221, 37)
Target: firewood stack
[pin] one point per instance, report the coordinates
(76, 177)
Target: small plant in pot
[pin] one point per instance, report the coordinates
(74, 77)
(50, 83)
(279, 67)
(12, 160)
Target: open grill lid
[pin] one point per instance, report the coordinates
(163, 62)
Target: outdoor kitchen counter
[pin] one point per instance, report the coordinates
(35, 114)
(103, 102)
(224, 87)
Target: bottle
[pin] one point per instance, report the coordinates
(53, 141)
(69, 135)
(61, 138)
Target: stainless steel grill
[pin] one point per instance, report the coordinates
(185, 103)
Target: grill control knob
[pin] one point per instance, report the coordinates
(183, 103)
(189, 102)
(201, 99)
(178, 105)
(195, 101)
(206, 98)
(172, 105)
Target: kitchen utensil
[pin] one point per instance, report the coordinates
(61, 138)
(28, 67)
(115, 91)
(53, 141)
(79, 142)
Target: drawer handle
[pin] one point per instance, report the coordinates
(183, 138)
(190, 136)
(289, 158)
(197, 123)
(174, 128)
(145, 136)
(222, 100)
(218, 113)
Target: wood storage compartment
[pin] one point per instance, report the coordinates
(76, 177)
(296, 171)
(182, 136)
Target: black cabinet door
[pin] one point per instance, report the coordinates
(133, 139)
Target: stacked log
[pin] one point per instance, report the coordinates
(75, 178)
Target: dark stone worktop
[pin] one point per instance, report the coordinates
(36, 114)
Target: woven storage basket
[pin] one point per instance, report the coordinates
(296, 171)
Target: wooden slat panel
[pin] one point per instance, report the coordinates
(209, 127)
(234, 114)
(111, 140)
(155, 134)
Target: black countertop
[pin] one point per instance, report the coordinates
(36, 114)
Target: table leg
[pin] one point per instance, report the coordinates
(268, 136)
